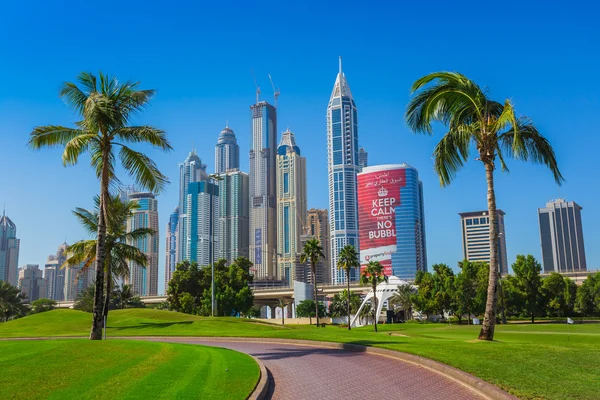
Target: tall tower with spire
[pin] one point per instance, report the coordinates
(342, 163)
(263, 224)
(227, 152)
(9, 250)
(291, 205)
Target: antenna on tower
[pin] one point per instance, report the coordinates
(255, 84)
(276, 92)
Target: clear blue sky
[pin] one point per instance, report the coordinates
(198, 57)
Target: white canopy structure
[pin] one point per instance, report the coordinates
(384, 291)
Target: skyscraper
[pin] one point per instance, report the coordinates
(144, 280)
(76, 281)
(363, 158)
(172, 241)
(234, 215)
(317, 226)
(201, 243)
(31, 282)
(561, 235)
(263, 224)
(227, 152)
(291, 205)
(9, 250)
(391, 218)
(476, 238)
(342, 160)
(55, 275)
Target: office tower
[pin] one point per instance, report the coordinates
(191, 170)
(342, 159)
(476, 238)
(172, 246)
(234, 215)
(363, 158)
(317, 226)
(561, 235)
(263, 148)
(77, 280)
(144, 279)
(291, 205)
(202, 222)
(55, 275)
(227, 152)
(9, 250)
(31, 282)
(391, 219)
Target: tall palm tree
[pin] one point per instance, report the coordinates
(348, 259)
(105, 107)
(403, 297)
(117, 250)
(373, 275)
(11, 301)
(313, 252)
(473, 118)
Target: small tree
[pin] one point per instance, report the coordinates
(373, 275)
(587, 301)
(306, 308)
(85, 299)
(347, 260)
(281, 303)
(42, 305)
(11, 302)
(404, 297)
(527, 275)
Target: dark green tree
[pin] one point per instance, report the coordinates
(312, 253)
(85, 299)
(307, 308)
(11, 302)
(404, 299)
(373, 275)
(587, 301)
(339, 304)
(443, 288)
(554, 290)
(348, 260)
(424, 299)
(527, 277)
(42, 305)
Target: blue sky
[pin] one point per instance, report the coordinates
(198, 57)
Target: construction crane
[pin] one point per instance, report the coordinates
(255, 84)
(276, 92)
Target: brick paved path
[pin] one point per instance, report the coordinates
(320, 373)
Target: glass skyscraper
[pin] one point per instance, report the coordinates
(263, 202)
(291, 205)
(342, 161)
(172, 241)
(55, 275)
(9, 250)
(227, 152)
(201, 242)
(234, 218)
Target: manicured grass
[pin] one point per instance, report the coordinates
(531, 361)
(122, 369)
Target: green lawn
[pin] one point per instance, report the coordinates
(530, 361)
(121, 369)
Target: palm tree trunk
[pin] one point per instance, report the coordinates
(348, 282)
(314, 274)
(375, 302)
(489, 319)
(107, 294)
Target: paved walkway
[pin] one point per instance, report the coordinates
(321, 373)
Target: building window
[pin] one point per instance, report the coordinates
(286, 182)
(469, 222)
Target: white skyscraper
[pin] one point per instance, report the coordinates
(9, 250)
(342, 162)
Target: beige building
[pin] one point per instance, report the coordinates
(317, 226)
(31, 282)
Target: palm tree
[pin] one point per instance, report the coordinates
(473, 118)
(11, 301)
(348, 259)
(282, 304)
(366, 311)
(403, 297)
(373, 275)
(313, 252)
(106, 107)
(117, 250)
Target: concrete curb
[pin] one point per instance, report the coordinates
(262, 386)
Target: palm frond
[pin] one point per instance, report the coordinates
(52, 135)
(451, 153)
(73, 96)
(143, 170)
(87, 218)
(143, 134)
(77, 146)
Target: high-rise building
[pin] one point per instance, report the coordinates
(172, 246)
(77, 280)
(9, 250)
(363, 158)
(201, 243)
(291, 205)
(561, 235)
(342, 162)
(476, 238)
(227, 152)
(54, 274)
(31, 282)
(263, 221)
(144, 279)
(317, 226)
(234, 215)
(391, 219)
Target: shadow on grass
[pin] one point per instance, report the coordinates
(144, 325)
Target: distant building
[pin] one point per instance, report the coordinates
(31, 282)
(363, 159)
(9, 250)
(227, 152)
(263, 203)
(561, 235)
(234, 215)
(54, 274)
(202, 223)
(77, 280)
(476, 238)
(172, 248)
(291, 205)
(144, 279)
(317, 226)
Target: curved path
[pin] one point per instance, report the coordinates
(316, 372)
